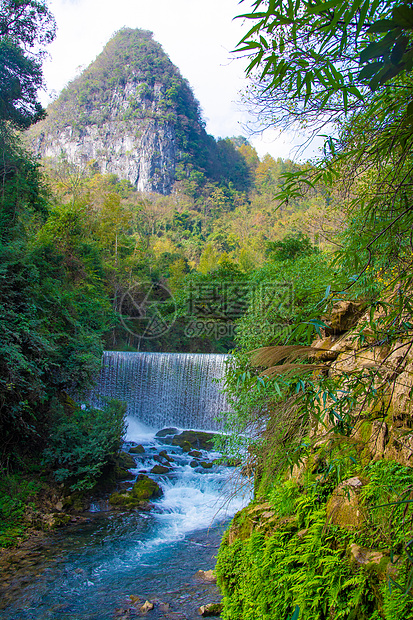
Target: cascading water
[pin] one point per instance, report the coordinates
(97, 570)
(165, 389)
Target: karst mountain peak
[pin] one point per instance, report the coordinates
(131, 114)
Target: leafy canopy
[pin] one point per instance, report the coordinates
(25, 27)
(328, 55)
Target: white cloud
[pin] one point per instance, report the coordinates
(198, 36)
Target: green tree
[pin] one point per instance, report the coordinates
(322, 62)
(25, 27)
(319, 53)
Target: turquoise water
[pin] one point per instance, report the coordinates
(90, 571)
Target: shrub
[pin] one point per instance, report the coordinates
(84, 441)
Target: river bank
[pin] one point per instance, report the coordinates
(110, 561)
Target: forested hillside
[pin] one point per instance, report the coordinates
(132, 114)
(81, 249)
(303, 271)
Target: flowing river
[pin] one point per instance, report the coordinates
(109, 566)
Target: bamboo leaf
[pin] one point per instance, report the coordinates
(382, 25)
(371, 69)
(318, 9)
(403, 15)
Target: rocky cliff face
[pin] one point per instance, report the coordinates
(330, 537)
(130, 114)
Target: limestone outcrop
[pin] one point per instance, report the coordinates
(130, 113)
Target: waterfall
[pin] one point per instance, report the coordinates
(164, 389)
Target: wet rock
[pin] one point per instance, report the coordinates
(194, 463)
(196, 439)
(135, 600)
(160, 469)
(147, 606)
(212, 609)
(144, 488)
(195, 453)
(166, 431)
(182, 443)
(165, 455)
(126, 461)
(139, 449)
(206, 575)
(206, 465)
(343, 507)
(159, 458)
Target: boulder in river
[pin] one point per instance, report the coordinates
(197, 439)
(160, 469)
(206, 465)
(139, 449)
(147, 606)
(165, 455)
(166, 431)
(212, 609)
(206, 575)
(144, 488)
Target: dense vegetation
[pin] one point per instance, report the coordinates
(78, 249)
(255, 256)
(53, 306)
(311, 545)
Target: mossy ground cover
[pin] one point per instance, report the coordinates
(292, 556)
(16, 495)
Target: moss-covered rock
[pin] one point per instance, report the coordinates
(121, 474)
(343, 507)
(160, 469)
(197, 439)
(185, 445)
(144, 489)
(165, 455)
(167, 432)
(139, 449)
(126, 461)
